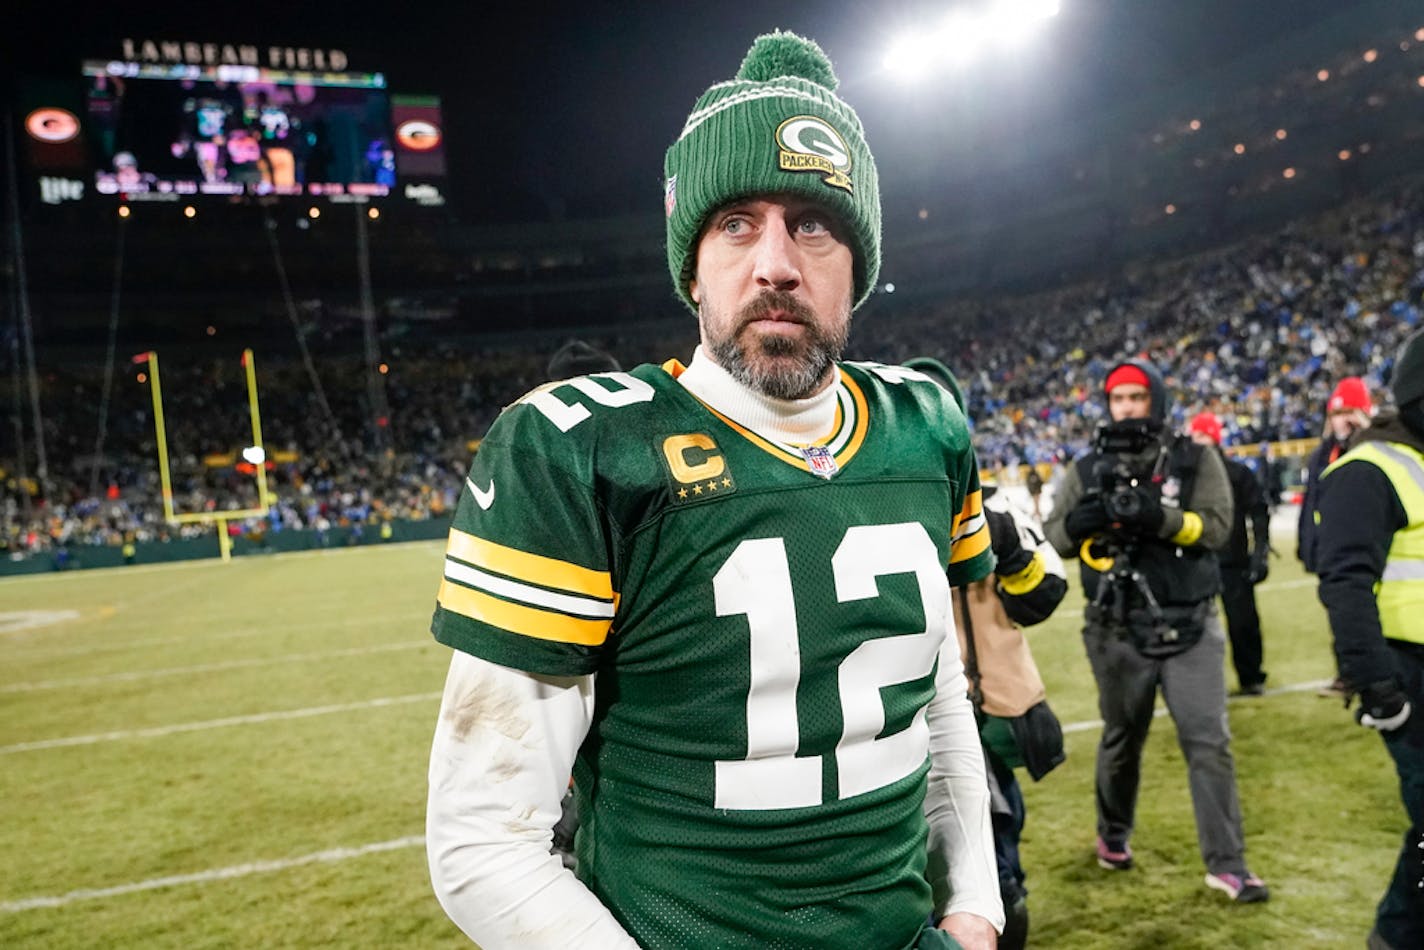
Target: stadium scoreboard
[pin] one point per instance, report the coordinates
(178, 121)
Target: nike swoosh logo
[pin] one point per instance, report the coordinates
(483, 498)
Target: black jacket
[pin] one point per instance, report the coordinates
(1250, 504)
(1329, 450)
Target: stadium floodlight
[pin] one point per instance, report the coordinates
(254, 455)
(910, 57)
(964, 36)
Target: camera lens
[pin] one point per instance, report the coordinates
(1124, 504)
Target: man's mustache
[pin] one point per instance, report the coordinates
(791, 309)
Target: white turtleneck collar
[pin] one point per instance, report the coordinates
(797, 421)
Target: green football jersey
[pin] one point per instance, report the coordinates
(764, 621)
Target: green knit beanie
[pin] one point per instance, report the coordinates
(778, 127)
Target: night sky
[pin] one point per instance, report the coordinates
(564, 110)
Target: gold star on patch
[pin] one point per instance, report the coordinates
(697, 489)
(682, 493)
(711, 486)
(726, 483)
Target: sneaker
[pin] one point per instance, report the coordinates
(1252, 689)
(1243, 890)
(1114, 856)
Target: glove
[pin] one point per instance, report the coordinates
(1087, 518)
(1383, 706)
(1008, 546)
(1259, 568)
(1149, 517)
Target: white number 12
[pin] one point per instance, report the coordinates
(756, 581)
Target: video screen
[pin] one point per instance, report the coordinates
(160, 131)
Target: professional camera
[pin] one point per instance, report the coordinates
(1118, 487)
(1124, 600)
(1112, 478)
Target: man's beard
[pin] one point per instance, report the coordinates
(783, 367)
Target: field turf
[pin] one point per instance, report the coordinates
(221, 755)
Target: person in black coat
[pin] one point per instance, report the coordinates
(1347, 412)
(1244, 562)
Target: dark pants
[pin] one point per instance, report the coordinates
(1006, 813)
(1243, 625)
(1400, 917)
(1194, 689)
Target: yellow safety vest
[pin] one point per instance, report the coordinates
(1399, 594)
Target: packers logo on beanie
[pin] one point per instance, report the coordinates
(778, 127)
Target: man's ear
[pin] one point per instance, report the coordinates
(693, 292)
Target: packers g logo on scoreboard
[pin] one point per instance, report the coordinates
(418, 135)
(697, 467)
(809, 144)
(53, 125)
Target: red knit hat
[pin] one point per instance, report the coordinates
(1126, 373)
(1207, 424)
(1350, 393)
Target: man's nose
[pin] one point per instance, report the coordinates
(777, 258)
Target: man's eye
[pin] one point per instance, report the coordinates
(813, 226)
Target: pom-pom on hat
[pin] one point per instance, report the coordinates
(777, 127)
(1350, 393)
(1207, 424)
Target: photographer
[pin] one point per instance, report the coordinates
(1144, 511)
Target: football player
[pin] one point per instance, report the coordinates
(719, 594)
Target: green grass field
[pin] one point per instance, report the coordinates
(210, 755)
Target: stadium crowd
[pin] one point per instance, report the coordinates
(1257, 333)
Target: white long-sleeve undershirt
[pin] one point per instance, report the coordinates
(506, 740)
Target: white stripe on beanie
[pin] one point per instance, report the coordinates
(762, 92)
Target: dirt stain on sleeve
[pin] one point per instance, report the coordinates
(488, 705)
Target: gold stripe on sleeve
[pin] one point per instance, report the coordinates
(533, 568)
(970, 547)
(972, 508)
(529, 621)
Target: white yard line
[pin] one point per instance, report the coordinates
(175, 728)
(216, 874)
(18, 621)
(134, 675)
(188, 640)
(110, 646)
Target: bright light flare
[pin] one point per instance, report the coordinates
(964, 36)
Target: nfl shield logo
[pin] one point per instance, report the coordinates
(820, 461)
(670, 195)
